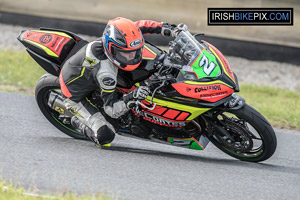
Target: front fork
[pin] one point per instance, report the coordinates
(213, 124)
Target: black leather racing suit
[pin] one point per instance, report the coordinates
(88, 70)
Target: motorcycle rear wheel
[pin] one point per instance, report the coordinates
(45, 85)
(254, 136)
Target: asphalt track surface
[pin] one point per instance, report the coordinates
(37, 155)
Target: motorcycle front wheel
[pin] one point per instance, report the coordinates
(244, 134)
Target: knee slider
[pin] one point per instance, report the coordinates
(105, 135)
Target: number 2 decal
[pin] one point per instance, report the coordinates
(207, 68)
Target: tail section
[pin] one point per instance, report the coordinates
(49, 47)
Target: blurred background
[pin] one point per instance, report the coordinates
(191, 12)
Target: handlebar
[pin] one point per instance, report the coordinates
(165, 61)
(168, 63)
(162, 77)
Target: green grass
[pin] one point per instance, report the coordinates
(17, 68)
(19, 72)
(10, 192)
(281, 107)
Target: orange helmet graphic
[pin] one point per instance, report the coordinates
(123, 43)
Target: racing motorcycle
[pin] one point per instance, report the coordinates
(193, 99)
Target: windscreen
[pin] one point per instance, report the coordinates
(197, 61)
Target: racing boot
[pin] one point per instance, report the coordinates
(103, 135)
(90, 121)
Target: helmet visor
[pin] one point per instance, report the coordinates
(128, 57)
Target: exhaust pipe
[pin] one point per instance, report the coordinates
(55, 102)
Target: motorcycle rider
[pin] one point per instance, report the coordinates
(96, 65)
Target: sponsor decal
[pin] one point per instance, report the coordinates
(208, 87)
(136, 43)
(228, 69)
(211, 92)
(60, 110)
(213, 95)
(108, 81)
(188, 89)
(55, 41)
(158, 120)
(181, 142)
(45, 38)
(59, 44)
(186, 142)
(90, 61)
(28, 34)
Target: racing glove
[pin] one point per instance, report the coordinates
(173, 30)
(140, 93)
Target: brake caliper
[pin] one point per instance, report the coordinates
(242, 140)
